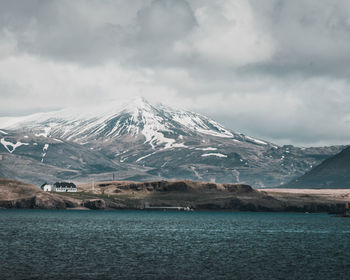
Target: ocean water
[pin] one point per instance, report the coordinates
(42, 244)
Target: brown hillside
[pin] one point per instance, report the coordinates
(16, 194)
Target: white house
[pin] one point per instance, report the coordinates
(46, 187)
(59, 187)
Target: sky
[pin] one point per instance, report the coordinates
(273, 69)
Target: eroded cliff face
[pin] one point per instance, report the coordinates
(206, 196)
(94, 204)
(185, 186)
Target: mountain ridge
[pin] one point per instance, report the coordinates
(158, 142)
(136, 117)
(333, 172)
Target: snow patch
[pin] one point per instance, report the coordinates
(3, 132)
(13, 146)
(152, 129)
(45, 133)
(215, 155)
(195, 172)
(46, 146)
(123, 159)
(146, 156)
(200, 124)
(178, 145)
(206, 149)
(255, 140)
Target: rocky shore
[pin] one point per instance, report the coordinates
(180, 193)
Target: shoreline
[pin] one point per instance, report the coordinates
(164, 195)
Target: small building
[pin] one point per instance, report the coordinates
(59, 187)
(46, 187)
(64, 187)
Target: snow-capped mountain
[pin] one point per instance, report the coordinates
(156, 141)
(161, 126)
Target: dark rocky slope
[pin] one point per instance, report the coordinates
(331, 173)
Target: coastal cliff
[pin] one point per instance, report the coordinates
(179, 193)
(16, 194)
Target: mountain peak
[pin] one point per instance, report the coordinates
(140, 102)
(136, 104)
(161, 126)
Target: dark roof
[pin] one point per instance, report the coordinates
(65, 185)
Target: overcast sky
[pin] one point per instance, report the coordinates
(273, 69)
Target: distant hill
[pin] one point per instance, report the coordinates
(333, 172)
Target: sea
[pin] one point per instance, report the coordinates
(64, 244)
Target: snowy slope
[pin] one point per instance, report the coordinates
(160, 126)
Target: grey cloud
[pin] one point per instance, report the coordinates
(275, 69)
(312, 37)
(85, 32)
(64, 30)
(165, 20)
(156, 28)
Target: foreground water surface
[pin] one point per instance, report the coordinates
(43, 244)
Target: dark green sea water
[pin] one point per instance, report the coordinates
(40, 244)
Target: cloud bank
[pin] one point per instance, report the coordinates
(273, 69)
